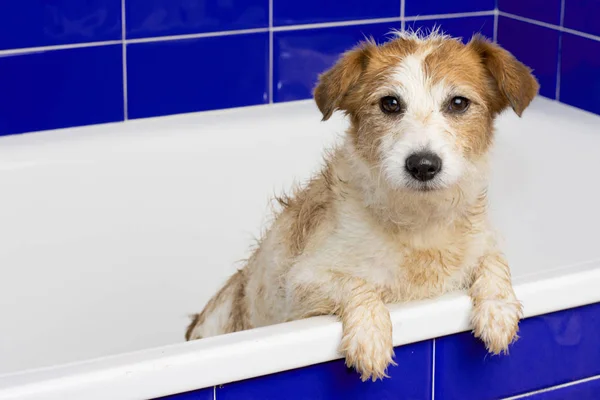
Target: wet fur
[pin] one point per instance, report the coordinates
(353, 240)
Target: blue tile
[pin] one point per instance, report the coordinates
(583, 391)
(410, 379)
(149, 18)
(300, 56)
(553, 349)
(180, 76)
(35, 23)
(582, 15)
(534, 46)
(429, 7)
(287, 12)
(61, 88)
(580, 73)
(541, 10)
(202, 394)
(457, 27)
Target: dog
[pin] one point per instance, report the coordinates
(399, 210)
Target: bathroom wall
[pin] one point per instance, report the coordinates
(560, 40)
(78, 62)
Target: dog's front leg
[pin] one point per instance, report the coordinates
(367, 330)
(367, 327)
(496, 310)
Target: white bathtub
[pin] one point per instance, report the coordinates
(111, 235)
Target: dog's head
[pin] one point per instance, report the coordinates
(422, 109)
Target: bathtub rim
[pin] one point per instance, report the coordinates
(218, 360)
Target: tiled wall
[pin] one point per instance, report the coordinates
(560, 40)
(78, 62)
(557, 357)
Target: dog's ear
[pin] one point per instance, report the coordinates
(516, 85)
(335, 83)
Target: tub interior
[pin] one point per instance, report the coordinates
(111, 235)
(116, 233)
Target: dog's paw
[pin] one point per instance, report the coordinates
(367, 342)
(496, 323)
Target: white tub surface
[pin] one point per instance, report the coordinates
(112, 234)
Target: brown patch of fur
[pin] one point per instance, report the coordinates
(453, 62)
(356, 73)
(513, 80)
(335, 83)
(366, 130)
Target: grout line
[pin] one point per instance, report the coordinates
(402, 12)
(270, 84)
(529, 20)
(550, 26)
(448, 16)
(124, 45)
(335, 24)
(582, 34)
(198, 35)
(562, 13)
(553, 388)
(496, 14)
(559, 61)
(215, 392)
(433, 372)
(298, 27)
(28, 50)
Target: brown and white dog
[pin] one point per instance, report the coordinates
(399, 211)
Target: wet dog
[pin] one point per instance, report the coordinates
(399, 211)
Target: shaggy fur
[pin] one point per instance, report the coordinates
(363, 232)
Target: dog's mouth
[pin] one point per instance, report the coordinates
(425, 187)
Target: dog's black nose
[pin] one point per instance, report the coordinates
(423, 166)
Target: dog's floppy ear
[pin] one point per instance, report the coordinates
(334, 84)
(516, 85)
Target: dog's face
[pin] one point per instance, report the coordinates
(422, 109)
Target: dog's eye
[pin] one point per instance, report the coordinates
(458, 105)
(391, 105)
